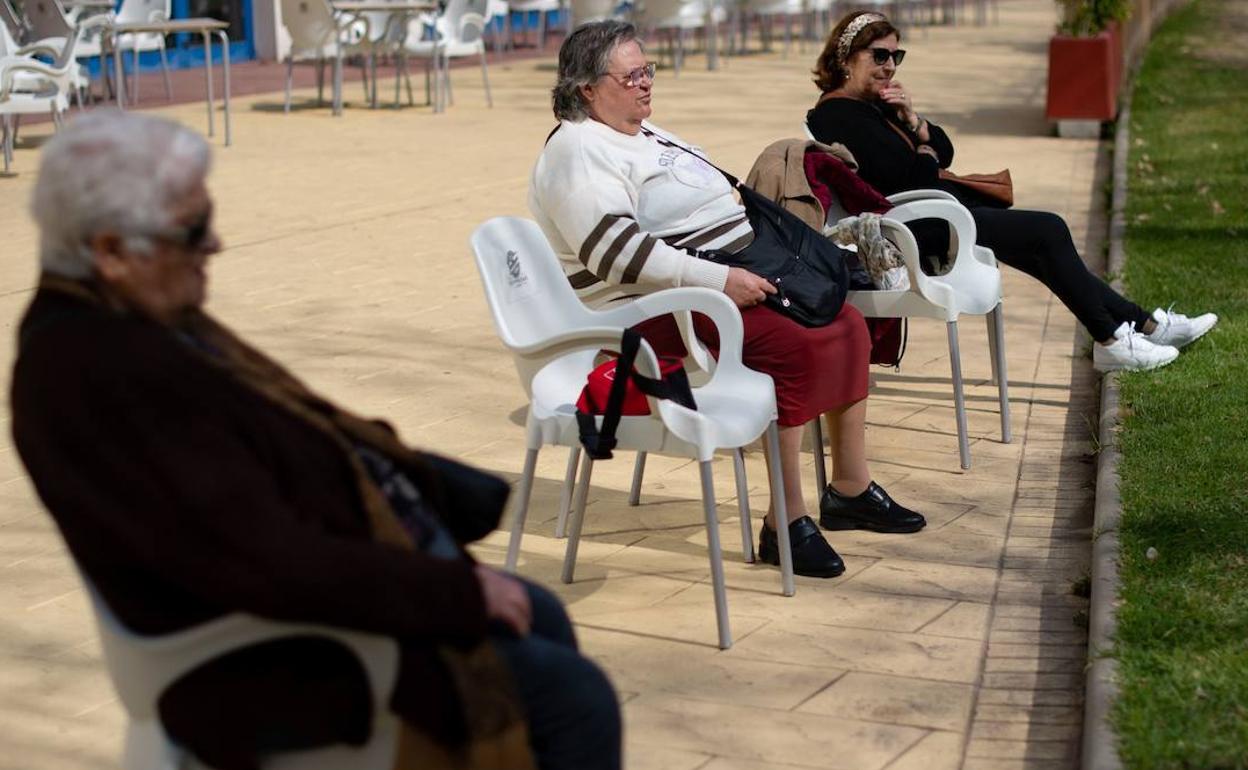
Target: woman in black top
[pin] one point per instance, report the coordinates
(865, 109)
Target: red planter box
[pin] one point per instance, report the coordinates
(1084, 73)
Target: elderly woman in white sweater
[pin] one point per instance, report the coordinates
(628, 207)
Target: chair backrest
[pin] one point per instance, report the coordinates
(8, 40)
(13, 22)
(311, 24)
(47, 19)
(528, 293)
(143, 10)
(463, 21)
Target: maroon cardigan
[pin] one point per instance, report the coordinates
(184, 495)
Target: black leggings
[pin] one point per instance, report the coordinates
(1039, 243)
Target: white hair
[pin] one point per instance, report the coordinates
(111, 171)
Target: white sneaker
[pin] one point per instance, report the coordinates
(1177, 330)
(1131, 351)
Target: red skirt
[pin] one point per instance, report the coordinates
(815, 370)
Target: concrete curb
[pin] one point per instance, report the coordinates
(1100, 742)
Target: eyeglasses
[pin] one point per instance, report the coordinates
(881, 55)
(192, 237)
(633, 77)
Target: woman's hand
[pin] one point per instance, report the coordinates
(745, 288)
(895, 95)
(505, 599)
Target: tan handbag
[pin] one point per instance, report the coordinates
(997, 187)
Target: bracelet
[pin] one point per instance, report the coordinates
(918, 125)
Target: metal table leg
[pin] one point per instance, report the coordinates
(225, 76)
(119, 81)
(207, 36)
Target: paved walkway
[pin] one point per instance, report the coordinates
(960, 647)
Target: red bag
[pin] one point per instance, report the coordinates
(607, 394)
(597, 388)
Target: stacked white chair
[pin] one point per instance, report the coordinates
(555, 340)
(318, 34)
(31, 87)
(142, 667)
(138, 11)
(51, 26)
(458, 32)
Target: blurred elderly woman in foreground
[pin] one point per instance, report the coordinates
(192, 477)
(630, 207)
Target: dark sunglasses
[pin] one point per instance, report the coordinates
(191, 237)
(881, 55)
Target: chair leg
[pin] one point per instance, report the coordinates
(4, 143)
(578, 520)
(134, 73)
(320, 81)
(743, 505)
(522, 509)
(565, 494)
(164, 70)
(541, 30)
(407, 79)
(639, 470)
(781, 510)
(821, 468)
(290, 72)
(485, 78)
(338, 84)
(428, 83)
(715, 553)
(1003, 378)
(959, 402)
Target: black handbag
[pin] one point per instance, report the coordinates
(808, 270)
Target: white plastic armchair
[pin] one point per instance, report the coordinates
(31, 87)
(142, 667)
(555, 340)
(458, 32)
(972, 286)
(317, 34)
(136, 11)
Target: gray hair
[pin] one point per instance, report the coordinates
(583, 58)
(111, 171)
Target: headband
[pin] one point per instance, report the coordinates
(851, 32)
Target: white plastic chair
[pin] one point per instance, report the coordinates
(555, 340)
(29, 81)
(498, 9)
(50, 27)
(317, 34)
(13, 21)
(677, 18)
(142, 667)
(584, 11)
(137, 11)
(543, 8)
(458, 32)
(31, 87)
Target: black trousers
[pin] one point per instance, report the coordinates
(1039, 243)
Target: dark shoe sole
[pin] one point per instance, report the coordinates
(774, 560)
(837, 524)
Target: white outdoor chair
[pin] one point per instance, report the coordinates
(971, 286)
(317, 34)
(555, 340)
(458, 32)
(142, 667)
(136, 11)
(13, 21)
(50, 26)
(31, 87)
(677, 18)
(29, 81)
(543, 8)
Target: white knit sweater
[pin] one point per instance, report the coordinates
(621, 209)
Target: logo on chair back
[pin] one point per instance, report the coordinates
(518, 284)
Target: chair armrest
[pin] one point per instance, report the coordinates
(901, 237)
(37, 49)
(716, 305)
(11, 67)
(471, 21)
(907, 196)
(957, 215)
(598, 337)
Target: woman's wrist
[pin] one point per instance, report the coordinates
(915, 125)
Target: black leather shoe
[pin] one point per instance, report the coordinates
(812, 556)
(873, 510)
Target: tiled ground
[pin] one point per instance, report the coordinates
(959, 647)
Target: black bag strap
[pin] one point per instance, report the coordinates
(599, 442)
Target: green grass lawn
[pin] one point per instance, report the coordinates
(1183, 623)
